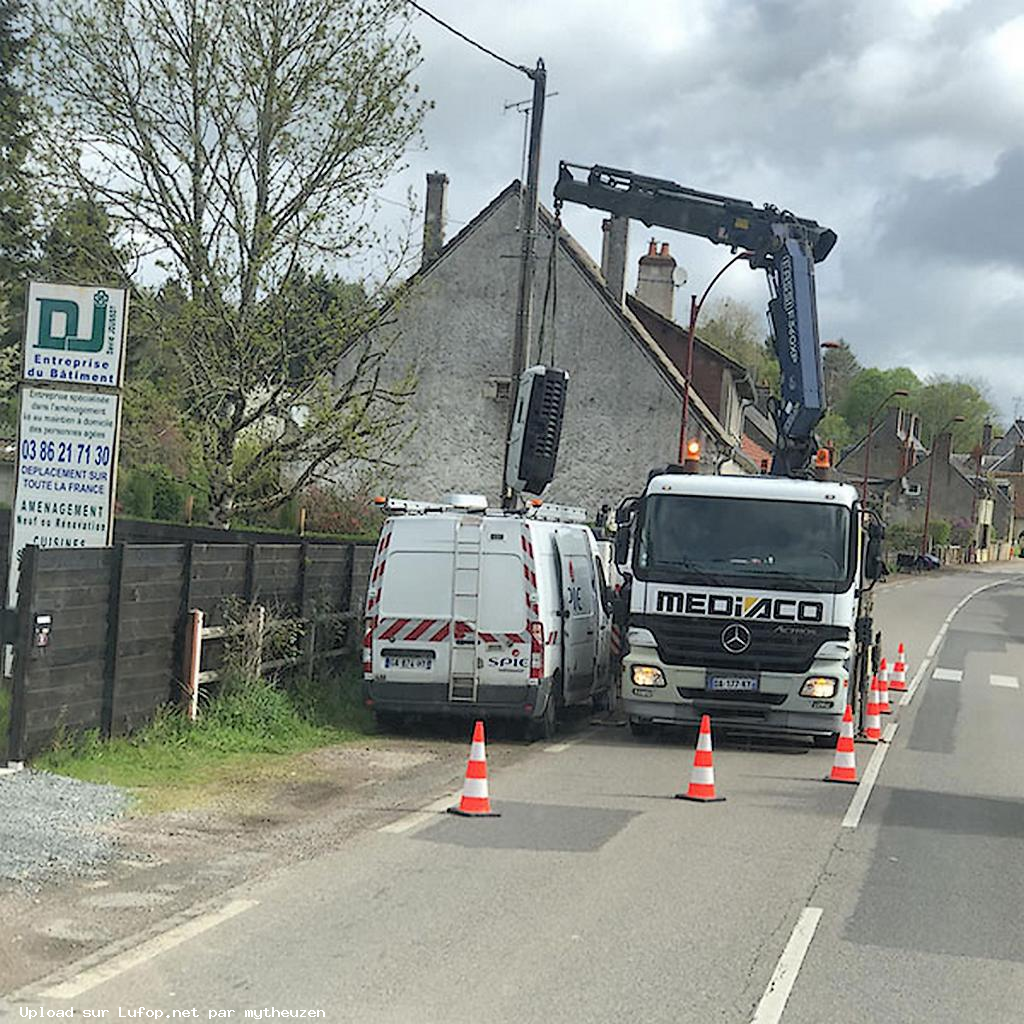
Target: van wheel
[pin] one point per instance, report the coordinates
(388, 721)
(638, 727)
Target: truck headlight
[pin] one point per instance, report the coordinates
(819, 686)
(647, 675)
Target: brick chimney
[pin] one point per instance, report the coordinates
(614, 243)
(654, 284)
(434, 216)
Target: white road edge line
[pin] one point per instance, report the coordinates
(867, 783)
(421, 817)
(919, 675)
(776, 995)
(150, 949)
(557, 748)
(1009, 682)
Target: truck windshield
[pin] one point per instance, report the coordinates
(775, 545)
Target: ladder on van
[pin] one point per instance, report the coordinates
(465, 675)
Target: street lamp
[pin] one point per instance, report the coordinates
(931, 474)
(898, 393)
(695, 305)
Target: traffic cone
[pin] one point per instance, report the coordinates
(898, 676)
(883, 689)
(872, 715)
(844, 767)
(702, 778)
(475, 803)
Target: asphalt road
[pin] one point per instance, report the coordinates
(597, 897)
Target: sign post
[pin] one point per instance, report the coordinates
(69, 420)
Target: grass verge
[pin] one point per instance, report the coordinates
(245, 733)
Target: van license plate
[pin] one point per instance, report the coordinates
(733, 683)
(415, 663)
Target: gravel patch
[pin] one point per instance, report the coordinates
(49, 825)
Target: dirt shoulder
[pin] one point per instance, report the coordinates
(252, 819)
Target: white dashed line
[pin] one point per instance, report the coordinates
(1008, 682)
(867, 783)
(949, 675)
(89, 979)
(428, 813)
(941, 635)
(776, 995)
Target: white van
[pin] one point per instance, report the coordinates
(476, 612)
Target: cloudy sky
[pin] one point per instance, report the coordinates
(898, 123)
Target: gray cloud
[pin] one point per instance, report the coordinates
(896, 123)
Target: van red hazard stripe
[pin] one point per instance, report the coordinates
(441, 634)
(394, 629)
(419, 629)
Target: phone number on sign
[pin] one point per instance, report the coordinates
(65, 453)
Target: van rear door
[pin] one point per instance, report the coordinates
(579, 613)
(411, 633)
(503, 643)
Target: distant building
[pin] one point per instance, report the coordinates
(452, 323)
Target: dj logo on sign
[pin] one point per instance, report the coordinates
(65, 311)
(74, 334)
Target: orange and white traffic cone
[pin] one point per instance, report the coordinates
(844, 767)
(475, 802)
(898, 676)
(702, 777)
(872, 715)
(883, 689)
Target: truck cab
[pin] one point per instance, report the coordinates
(743, 597)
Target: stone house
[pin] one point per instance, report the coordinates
(452, 324)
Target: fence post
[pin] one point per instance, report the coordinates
(184, 621)
(194, 661)
(250, 574)
(113, 633)
(22, 651)
(307, 615)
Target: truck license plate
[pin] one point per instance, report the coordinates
(415, 662)
(732, 683)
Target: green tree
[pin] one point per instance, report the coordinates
(869, 388)
(245, 140)
(736, 328)
(942, 398)
(833, 428)
(839, 368)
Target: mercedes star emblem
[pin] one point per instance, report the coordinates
(735, 638)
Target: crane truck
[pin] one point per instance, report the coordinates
(748, 598)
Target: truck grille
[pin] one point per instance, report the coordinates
(774, 646)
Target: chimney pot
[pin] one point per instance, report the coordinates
(664, 248)
(652, 248)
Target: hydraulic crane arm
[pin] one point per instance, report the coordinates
(784, 246)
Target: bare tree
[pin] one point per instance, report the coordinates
(246, 140)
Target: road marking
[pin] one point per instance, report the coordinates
(1009, 682)
(421, 817)
(867, 783)
(776, 995)
(950, 675)
(557, 748)
(74, 987)
(919, 675)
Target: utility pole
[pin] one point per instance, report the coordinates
(524, 295)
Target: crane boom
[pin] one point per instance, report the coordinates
(784, 246)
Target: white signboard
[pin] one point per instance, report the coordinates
(75, 335)
(66, 461)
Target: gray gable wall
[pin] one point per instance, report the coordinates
(453, 325)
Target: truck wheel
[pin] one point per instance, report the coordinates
(826, 742)
(638, 727)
